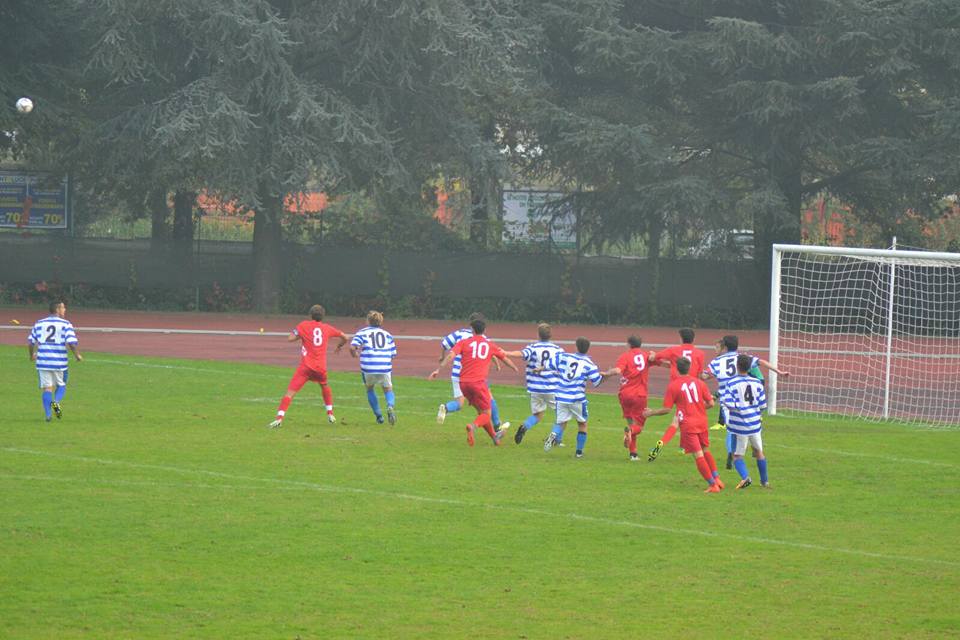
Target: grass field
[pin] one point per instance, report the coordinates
(161, 507)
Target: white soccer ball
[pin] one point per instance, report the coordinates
(24, 105)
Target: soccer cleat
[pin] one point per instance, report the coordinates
(441, 413)
(655, 451)
(719, 482)
(766, 485)
(470, 439)
(391, 415)
(49, 418)
(332, 419)
(717, 427)
(746, 482)
(634, 457)
(379, 419)
(550, 441)
(729, 461)
(276, 424)
(579, 453)
(518, 438)
(626, 437)
(56, 410)
(712, 489)
(498, 436)
(504, 426)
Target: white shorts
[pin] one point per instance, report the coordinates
(52, 378)
(541, 402)
(754, 440)
(567, 411)
(456, 388)
(382, 379)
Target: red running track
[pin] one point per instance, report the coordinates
(418, 341)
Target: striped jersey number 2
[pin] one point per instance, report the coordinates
(479, 350)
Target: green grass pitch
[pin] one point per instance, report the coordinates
(161, 507)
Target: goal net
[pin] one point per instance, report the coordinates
(872, 334)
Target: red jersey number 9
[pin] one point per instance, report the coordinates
(641, 361)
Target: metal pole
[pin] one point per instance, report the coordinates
(886, 386)
(777, 259)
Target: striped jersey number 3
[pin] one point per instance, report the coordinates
(572, 370)
(479, 350)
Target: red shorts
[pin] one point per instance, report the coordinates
(477, 394)
(303, 374)
(633, 406)
(693, 442)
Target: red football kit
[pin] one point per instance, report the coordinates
(633, 383)
(475, 355)
(689, 395)
(314, 337)
(688, 351)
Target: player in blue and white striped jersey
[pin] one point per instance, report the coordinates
(47, 344)
(377, 349)
(447, 343)
(724, 367)
(573, 372)
(540, 385)
(745, 399)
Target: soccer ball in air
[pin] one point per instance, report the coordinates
(24, 105)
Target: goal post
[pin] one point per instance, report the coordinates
(866, 333)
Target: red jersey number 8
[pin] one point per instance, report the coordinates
(318, 336)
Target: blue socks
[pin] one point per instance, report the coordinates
(741, 468)
(374, 402)
(47, 401)
(731, 442)
(581, 441)
(58, 395)
(390, 398)
(494, 412)
(762, 468)
(452, 406)
(558, 432)
(530, 421)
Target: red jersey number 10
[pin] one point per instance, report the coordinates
(479, 350)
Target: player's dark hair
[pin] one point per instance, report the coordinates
(375, 318)
(743, 363)
(635, 342)
(686, 336)
(317, 312)
(683, 366)
(478, 326)
(731, 343)
(583, 345)
(476, 315)
(54, 304)
(544, 331)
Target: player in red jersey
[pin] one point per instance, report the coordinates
(692, 398)
(475, 356)
(314, 336)
(668, 358)
(632, 368)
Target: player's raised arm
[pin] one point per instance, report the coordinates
(444, 361)
(656, 412)
(612, 371)
(507, 361)
(770, 367)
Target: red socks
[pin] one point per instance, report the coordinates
(668, 434)
(635, 430)
(704, 468)
(710, 461)
(327, 395)
(284, 404)
(483, 420)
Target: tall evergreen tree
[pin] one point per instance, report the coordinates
(263, 98)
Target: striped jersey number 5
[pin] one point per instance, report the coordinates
(317, 336)
(690, 390)
(479, 350)
(731, 366)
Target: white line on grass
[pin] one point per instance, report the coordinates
(287, 484)
(857, 454)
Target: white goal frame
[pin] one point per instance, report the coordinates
(887, 261)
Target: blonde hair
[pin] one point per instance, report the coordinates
(375, 318)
